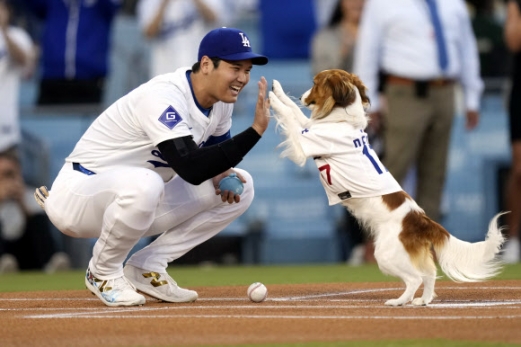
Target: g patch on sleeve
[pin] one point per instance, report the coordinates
(170, 117)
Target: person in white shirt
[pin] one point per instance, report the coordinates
(175, 28)
(422, 66)
(151, 165)
(16, 60)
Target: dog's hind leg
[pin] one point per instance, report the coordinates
(412, 283)
(428, 292)
(428, 269)
(396, 262)
(428, 288)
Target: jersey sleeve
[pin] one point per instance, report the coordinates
(24, 42)
(146, 10)
(163, 117)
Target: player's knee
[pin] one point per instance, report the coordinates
(147, 190)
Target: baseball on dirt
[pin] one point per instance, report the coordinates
(257, 292)
(231, 183)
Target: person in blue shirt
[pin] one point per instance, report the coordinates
(75, 49)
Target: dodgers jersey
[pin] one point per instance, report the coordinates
(10, 76)
(128, 132)
(348, 166)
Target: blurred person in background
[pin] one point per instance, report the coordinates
(26, 242)
(332, 47)
(16, 62)
(175, 28)
(423, 48)
(75, 49)
(512, 33)
(488, 29)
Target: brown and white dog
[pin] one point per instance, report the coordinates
(404, 236)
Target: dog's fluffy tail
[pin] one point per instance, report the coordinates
(472, 262)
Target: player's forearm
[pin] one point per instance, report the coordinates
(196, 165)
(154, 26)
(206, 12)
(18, 55)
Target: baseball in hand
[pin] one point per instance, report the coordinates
(231, 183)
(257, 292)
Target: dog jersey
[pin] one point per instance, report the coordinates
(348, 166)
(127, 133)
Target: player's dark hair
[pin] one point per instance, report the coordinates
(197, 66)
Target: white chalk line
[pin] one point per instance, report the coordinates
(292, 298)
(441, 304)
(249, 316)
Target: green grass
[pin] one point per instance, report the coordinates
(198, 276)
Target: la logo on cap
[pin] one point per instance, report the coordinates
(245, 41)
(229, 44)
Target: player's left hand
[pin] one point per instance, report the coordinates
(262, 108)
(229, 197)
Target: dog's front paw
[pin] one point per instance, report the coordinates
(394, 302)
(277, 105)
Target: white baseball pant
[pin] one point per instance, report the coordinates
(124, 204)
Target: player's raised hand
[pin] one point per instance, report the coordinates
(262, 109)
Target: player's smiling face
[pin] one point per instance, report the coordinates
(228, 79)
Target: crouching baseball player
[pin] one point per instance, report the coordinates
(150, 165)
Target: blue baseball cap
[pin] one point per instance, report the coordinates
(229, 44)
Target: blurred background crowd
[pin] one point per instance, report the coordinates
(63, 61)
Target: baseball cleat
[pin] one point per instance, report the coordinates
(114, 292)
(158, 285)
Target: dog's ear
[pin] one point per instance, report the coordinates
(362, 89)
(341, 89)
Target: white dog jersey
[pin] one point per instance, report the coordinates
(127, 133)
(348, 166)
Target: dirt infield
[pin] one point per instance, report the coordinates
(489, 311)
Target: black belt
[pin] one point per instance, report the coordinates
(78, 167)
(421, 87)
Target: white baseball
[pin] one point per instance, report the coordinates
(257, 292)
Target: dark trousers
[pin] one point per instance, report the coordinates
(35, 247)
(417, 132)
(63, 91)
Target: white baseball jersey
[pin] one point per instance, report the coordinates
(127, 133)
(182, 28)
(348, 166)
(10, 76)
